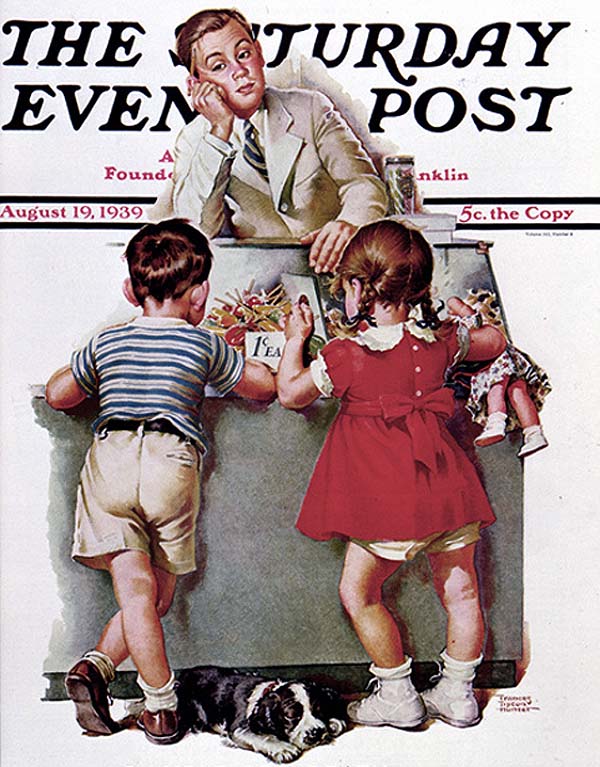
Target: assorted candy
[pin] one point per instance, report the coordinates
(250, 310)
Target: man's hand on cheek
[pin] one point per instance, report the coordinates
(208, 100)
(327, 245)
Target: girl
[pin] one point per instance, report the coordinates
(506, 394)
(390, 478)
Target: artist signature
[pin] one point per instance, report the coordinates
(521, 704)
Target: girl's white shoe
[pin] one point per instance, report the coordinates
(394, 701)
(452, 699)
(494, 431)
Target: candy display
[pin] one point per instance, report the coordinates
(248, 310)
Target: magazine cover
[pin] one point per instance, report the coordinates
(299, 380)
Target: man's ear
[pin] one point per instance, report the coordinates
(190, 82)
(127, 289)
(199, 295)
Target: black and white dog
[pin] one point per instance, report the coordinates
(278, 719)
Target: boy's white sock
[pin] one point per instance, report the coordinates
(159, 698)
(103, 663)
(532, 429)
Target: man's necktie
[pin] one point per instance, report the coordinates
(252, 152)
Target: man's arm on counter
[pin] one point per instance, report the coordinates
(361, 192)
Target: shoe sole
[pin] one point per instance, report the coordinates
(522, 453)
(454, 722)
(399, 725)
(489, 440)
(85, 710)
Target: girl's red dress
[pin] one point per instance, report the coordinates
(389, 468)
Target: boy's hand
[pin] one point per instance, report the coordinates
(458, 308)
(300, 323)
(208, 100)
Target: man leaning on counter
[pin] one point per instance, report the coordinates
(269, 162)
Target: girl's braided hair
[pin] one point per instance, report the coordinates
(394, 265)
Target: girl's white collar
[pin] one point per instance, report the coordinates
(385, 337)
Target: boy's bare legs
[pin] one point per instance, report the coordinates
(87, 682)
(112, 642)
(136, 589)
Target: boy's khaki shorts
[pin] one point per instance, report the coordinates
(139, 491)
(434, 544)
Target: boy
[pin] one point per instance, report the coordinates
(272, 162)
(138, 497)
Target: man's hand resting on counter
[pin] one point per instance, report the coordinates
(327, 244)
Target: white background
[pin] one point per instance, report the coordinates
(56, 287)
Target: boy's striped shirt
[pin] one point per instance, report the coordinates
(156, 367)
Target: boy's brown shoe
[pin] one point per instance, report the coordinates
(161, 727)
(86, 687)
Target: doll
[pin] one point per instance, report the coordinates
(508, 392)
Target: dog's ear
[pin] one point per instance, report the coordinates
(260, 720)
(266, 717)
(326, 702)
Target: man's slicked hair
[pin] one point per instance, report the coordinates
(199, 24)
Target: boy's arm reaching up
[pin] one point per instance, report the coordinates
(257, 382)
(62, 390)
(295, 386)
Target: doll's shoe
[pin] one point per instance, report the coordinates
(494, 431)
(533, 440)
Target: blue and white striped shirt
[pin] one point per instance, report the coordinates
(156, 367)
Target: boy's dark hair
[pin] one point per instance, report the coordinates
(198, 25)
(166, 259)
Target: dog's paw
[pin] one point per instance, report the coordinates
(284, 753)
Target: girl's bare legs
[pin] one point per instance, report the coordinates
(360, 588)
(455, 580)
(394, 700)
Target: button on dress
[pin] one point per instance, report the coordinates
(389, 468)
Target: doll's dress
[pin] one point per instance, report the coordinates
(516, 365)
(389, 468)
